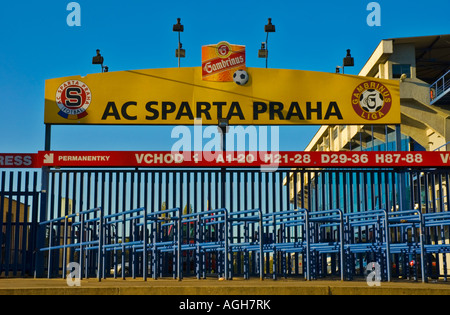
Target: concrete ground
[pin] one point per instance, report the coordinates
(236, 287)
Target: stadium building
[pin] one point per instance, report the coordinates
(422, 65)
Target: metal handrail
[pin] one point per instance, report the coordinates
(440, 87)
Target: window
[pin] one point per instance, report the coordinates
(398, 70)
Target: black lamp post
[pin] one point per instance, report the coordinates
(98, 60)
(179, 52)
(264, 51)
(349, 61)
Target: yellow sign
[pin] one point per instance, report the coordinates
(179, 96)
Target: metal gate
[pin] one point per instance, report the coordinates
(117, 192)
(19, 206)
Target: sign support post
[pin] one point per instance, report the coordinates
(39, 268)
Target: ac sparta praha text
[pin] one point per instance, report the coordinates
(166, 111)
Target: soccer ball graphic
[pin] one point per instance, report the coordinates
(371, 101)
(240, 77)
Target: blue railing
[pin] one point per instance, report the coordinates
(440, 88)
(146, 242)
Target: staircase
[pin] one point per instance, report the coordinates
(440, 90)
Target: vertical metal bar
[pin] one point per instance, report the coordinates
(145, 236)
(427, 192)
(412, 192)
(351, 190)
(50, 244)
(81, 245)
(103, 205)
(179, 240)
(331, 181)
(366, 190)
(388, 245)
(2, 214)
(64, 262)
(106, 227)
(380, 188)
(100, 245)
(124, 227)
(447, 182)
(337, 180)
(115, 226)
(341, 237)
(145, 233)
(25, 225)
(55, 206)
(17, 225)
(287, 206)
(422, 247)
(40, 243)
(239, 229)
(266, 210)
(226, 251)
(132, 259)
(8, 226)
(444, 255)
(324, 175)
(85, 229)
(229, 228)
(261, 247)
(34, 224)
(401, 174)
(433, 192)
(394, 190)
(181, 185)
(154, 230)
(70, 237)
(276, 254)
(66, 208)
(373, 182)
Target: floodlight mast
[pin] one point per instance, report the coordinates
(264, 51)
(179, 53)
(98, 60)
(349, 61)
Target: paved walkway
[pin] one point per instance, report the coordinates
(238, 287)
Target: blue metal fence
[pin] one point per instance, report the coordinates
(316, 243)
(19, 202)
(226, 223)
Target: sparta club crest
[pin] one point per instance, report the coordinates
(371, 100)
(73, 97)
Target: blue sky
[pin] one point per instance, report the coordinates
(37, 44)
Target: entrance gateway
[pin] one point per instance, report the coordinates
(142, 214)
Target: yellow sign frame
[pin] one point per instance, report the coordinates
(179, 96)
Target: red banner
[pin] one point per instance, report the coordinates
(167, 159)
(19, 160)
(244, 159)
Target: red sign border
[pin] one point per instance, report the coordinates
(232, 159)
(282, 159)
